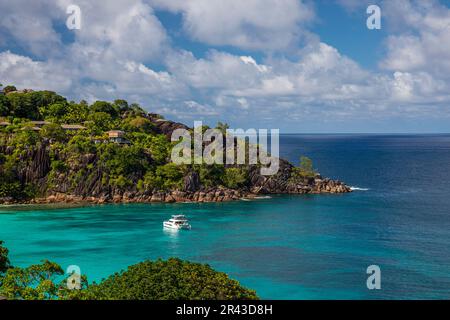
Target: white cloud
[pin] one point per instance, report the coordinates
(423, 41)
(106, 59)
(121, 29)
(217, 70)
(30, 23)
(111, 57)
(26, 73)
(250, 24)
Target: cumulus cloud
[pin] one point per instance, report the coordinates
(112, 56)
(122, 29)
(26, 73)
(250, 24)
(107, 55)
(423, 40)
(30, 24)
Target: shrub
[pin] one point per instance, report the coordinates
(304, 170)
(106, 107)
(211, 175)
(173, 279)
(4, 105)
(36, 282)
(171, 174)
(9, 89)
(53, 131)
(235, 177)
(306, 167)
(139, 124)
(4, 260)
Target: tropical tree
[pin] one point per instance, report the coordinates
(306, 167)
(36, 282)
(22, 106)
(222, 127)
(4, 105)
(121, 105)
(99, 122)
(106, 107)
(55, 111)
(9, 89)
(4, 260)
(235, 177)
(54, 132)
(173, 279)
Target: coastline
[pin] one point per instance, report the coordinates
(201, 196)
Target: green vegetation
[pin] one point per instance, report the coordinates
(33, 121)
(173, 279)
(4, 260)
(305, 170)
(235, 177)
(36, 282)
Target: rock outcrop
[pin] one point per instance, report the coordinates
(92, 185)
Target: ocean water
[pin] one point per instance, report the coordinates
(286, 247)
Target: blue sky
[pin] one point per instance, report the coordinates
(296, 65)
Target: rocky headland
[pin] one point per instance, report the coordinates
(52, 172)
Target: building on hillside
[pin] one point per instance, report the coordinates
(39, 123)
(117, 136)
(32, 128)
(4, 124)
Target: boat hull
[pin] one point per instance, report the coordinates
(176, 227)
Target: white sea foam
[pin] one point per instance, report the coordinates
(359, 189)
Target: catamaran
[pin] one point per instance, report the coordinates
(177, 222)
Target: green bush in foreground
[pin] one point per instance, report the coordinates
(173, 279)
(4, 260)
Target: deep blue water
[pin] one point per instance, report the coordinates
(287, 247)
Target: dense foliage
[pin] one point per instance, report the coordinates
(173, 279)
(4, 260)
(159, 280)
(305, 170)
(36, 282)
(87, 154)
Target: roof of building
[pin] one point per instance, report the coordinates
(116, 131)
(32, 128)
(73, 127)
(40, 123)
(4, 123)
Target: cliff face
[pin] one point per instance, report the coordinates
(92, 184)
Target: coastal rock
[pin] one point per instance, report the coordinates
(192, 181)
(158, 197)
(169, 199)
(85, 179)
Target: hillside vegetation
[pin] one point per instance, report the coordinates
(60, 150)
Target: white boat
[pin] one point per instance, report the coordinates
(177, 222)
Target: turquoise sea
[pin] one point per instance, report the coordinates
(286, 247)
